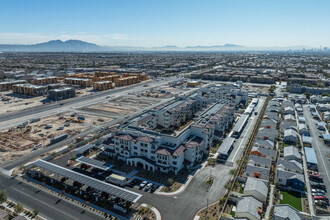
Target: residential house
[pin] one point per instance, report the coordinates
(303, 130)
(3, 215)
(257, 172)
(291, 153)
(290, 165)
(259, 161)
(268, 123)
(286, 212)
(288, 111)
(264, 143)
(257, 188)
(267, 134)
(290, 136)
(249, 207)
(264, 152)
(290, 179)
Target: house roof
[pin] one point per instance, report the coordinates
(251, 169)
(265, 151)
(290, 132)
(262, 161)
(145, 139)
(258, 185)
(286, 212)
(292, 165)
(284, 174)
(289, 117)
(291, 151)
(3, 214)
(249, 205)
(264, 143)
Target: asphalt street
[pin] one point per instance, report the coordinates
(185, 205)
(49, 206)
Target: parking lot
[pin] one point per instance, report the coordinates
(322, 154)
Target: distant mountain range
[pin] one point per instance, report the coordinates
(82, 46)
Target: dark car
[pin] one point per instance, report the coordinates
(77, 184)
(154, 188)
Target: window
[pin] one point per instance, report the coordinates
(174, 163)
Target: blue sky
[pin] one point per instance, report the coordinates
(167, 22)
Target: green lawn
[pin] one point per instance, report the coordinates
(292, 198)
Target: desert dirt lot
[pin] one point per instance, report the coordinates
(257, 89)
(15, 142)
(122, 105)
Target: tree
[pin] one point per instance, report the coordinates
(272, 88)
(35, 212)
(18, 208)
(170, 181)
(3, 196)
(308, 95)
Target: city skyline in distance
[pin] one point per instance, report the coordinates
(158, 24)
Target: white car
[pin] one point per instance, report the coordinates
(148, 186)
(318, 191)
(143, 184)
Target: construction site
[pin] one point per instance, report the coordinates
(121, 105)
(37, 133)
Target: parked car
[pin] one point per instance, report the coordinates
(154, 188)
(316, 178)
(133, 182)
(321, 203)
(315, 185)
(321, 198)
(148, 187)
(76, 184)
(318, 194)
(318, 191)
(85, 166)
(143, 184)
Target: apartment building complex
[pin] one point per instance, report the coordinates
(174, 136)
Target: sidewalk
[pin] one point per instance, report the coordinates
(270, 204)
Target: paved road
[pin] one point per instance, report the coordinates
(185, 205)
(49, 206)
(321, 150)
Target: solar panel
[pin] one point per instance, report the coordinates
(84, 148)
(89, 181)
(94, 163)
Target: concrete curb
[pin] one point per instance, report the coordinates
(183, 187)
(157, 213)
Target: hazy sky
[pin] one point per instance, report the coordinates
(167, 22)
